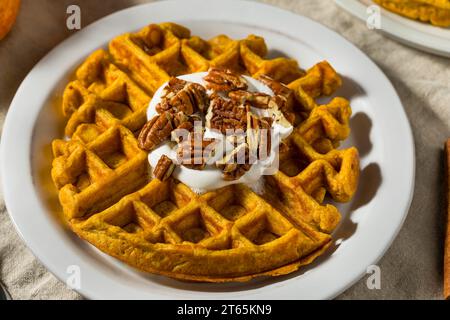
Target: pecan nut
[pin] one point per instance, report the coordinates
(164, 168)
(235, 164)
(226, 115)
(196, 151)
(283, 99)
(255, 99)
(159, 129)
(222, 79)
(277, 87)
(259, 137)
(184, 96)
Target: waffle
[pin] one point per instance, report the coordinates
(436, 12)
(231, 234)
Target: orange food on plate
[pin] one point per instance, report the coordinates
(436, 12)
(160, 225)
(8, 13)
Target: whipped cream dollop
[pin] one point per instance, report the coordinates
(210, 178)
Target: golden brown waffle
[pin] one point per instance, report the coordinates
(436, 12)
(444, 4)
(231, 234)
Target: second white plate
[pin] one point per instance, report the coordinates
(416, 34)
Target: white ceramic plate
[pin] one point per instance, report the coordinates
(416, 34)
(380, 130)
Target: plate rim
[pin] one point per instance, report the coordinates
(9, 179)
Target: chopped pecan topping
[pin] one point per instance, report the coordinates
(284, 118)
(180, 95)
(164, 168)
(236, 163)
(185, 128)
(195, 151)
(283, 99)
(184, 103)
(225, 115)
(277, 87)
(255, 99)
(259, 136)
(221, 79)
(159, 128)
(179, 134)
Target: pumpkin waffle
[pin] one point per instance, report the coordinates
(436, 12)
(162, 227)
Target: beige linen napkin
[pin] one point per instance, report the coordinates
(412, 267)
